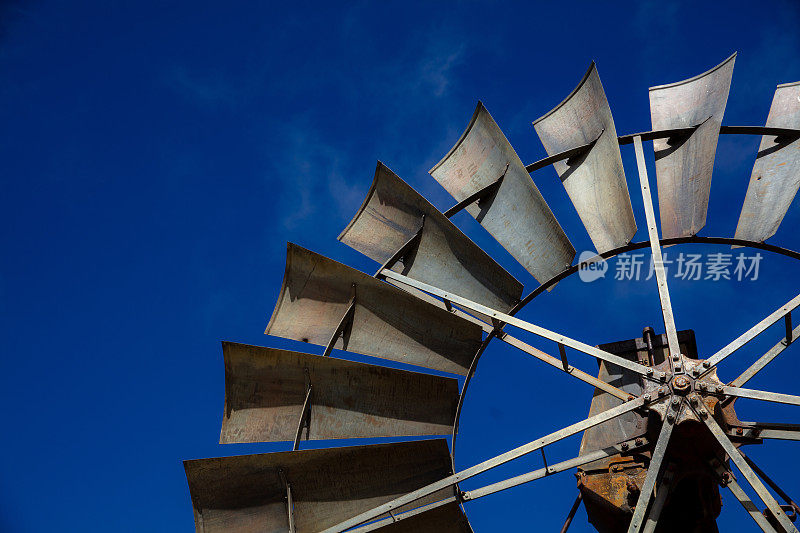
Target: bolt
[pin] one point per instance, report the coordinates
(676, 402)
(670, 418)
(726, 477)
(694, 400)
(739, 431)
(646, 397)
(703, 413)
(695, 372)
(720, 389)
(624, 446)
(662, 391)
(639, 442)
(706, 364)
(677, 368)
(703, 386)
(631, 397)
(676, 358)
(649, 371)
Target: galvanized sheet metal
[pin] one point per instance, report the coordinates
(776, 172)
(387, 322)
(444, 257)
(595, 181)
(517, 216)
(246, 494)
(684, 165)
(265, 389)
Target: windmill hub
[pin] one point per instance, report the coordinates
(682, 385)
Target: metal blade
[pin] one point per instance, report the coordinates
(443, 256)
(684, 163)
(594, 180)
(387, 322)
(776, 172)
(245, 493)
(265, 390)
(516, 214)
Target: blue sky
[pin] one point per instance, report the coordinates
(156, 158)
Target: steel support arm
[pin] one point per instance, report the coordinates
(658, 261)
(752, 332)
(527, 326)
(653, 472)
(765, 359)
(517, 343)
(762, 395)
(662, 492)
(486, 465)
(745, 469)
(551, 469)
(727, 479)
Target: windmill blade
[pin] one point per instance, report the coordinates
(393, 214)
(684, 162)
(248, 493)
(327, 303)
(593, 179)
(513, 211)
(266, 389)
(776, 172)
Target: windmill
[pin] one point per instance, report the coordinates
(662, 436)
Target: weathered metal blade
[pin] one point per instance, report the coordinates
(776, 172)
(386, 321)
(684, 163)
(392, 214)
(246, 493)
(265, 390)
(516, 214)
(594, 180)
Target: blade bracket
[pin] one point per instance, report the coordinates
(480, 196)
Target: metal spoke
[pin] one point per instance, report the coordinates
(553, 469)
(762, 395)
(517, 343)
(765, 359)
(662, 492)
(727, 479)
(658, 261)
(652, 475)
(766, 430)
(752, 332)
(527, 326)
(745, 469)
(402, 516)
(487, 465)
